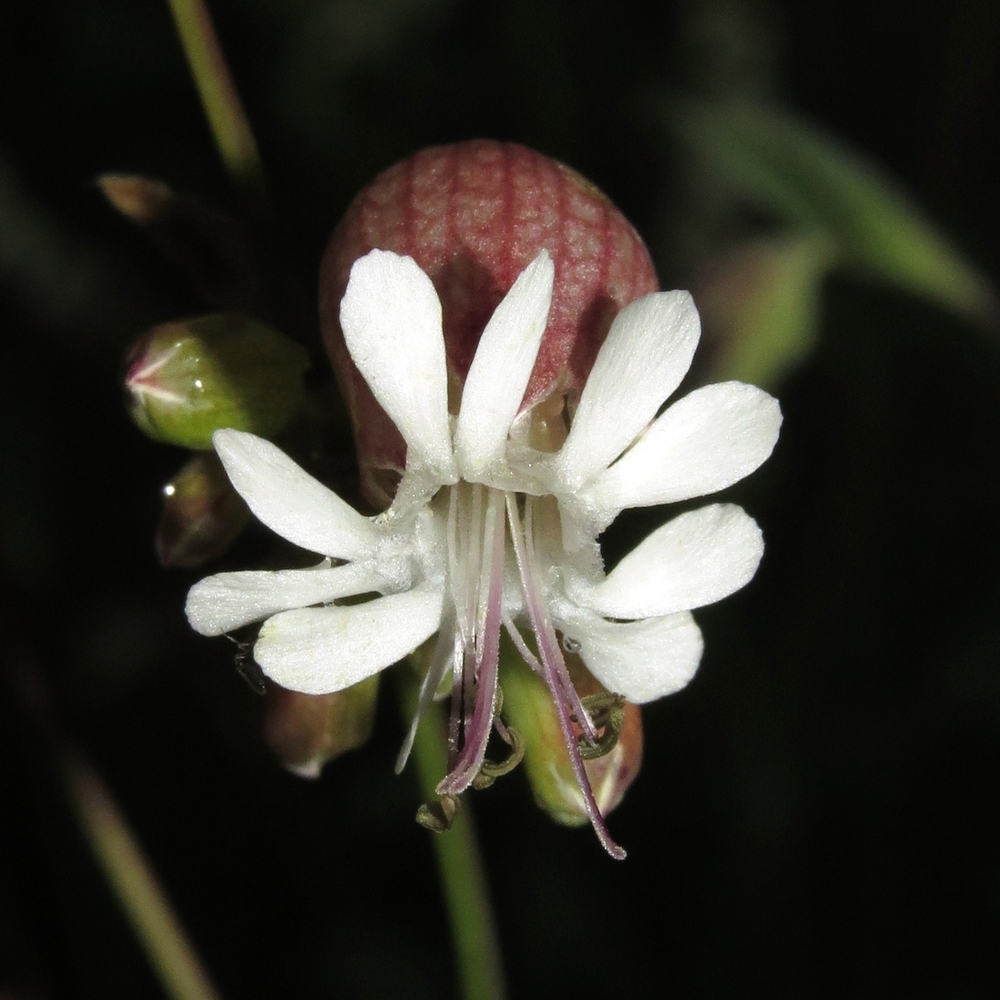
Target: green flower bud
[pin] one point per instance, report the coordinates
(306, 731)
(202, 514)
(187, 379)
(527, 706)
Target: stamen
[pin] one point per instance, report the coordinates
(444, 657)
(521, 646)
(457, 698)
(484, 588)
(456, 579)
(478, 727)
(548, 644)
(472, 554)
(560, 696)
(469, 688)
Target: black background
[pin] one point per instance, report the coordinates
(817, 813)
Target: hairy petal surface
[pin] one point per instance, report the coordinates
(289, 501)
(391, 318)
(228, 601)
(695, 559)
(710, 439)
(321, 650)
(647, 352)
(501, 368)
(642, 660)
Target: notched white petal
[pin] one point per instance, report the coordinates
(647, 352)
(642, 660)
(391, 318)
(710, 439)
(228, 601)
(501, 368)
(695, 559)
(320, 650)
(289, 501)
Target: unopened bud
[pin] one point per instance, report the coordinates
(144, 200)
(187, 379)
(611, 766)
(306, 731)
(210, 247)
(202, 514)
(473, 216)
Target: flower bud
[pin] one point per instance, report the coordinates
(214, 251)
(144, 200)
(527, 706)
(187, 379)
(306, 731)
(473, 216)
(202, 514)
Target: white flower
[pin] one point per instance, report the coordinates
(489, 530)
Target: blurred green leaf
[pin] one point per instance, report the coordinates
(760, 306)
(814, 183)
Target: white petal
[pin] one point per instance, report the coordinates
(642, 660)
(289, 501)
(647, 352)
(227, 601)
(708, 440)
(695, 559)
(320, 650)
(391, 318)
(501, 368)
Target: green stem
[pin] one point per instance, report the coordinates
(237, 148)
(223, 107)
(460, 865)
(134, 882)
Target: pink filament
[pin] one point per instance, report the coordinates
(550, 654)
(487, 657)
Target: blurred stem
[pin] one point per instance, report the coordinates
(223, 107)
(237, 147)
(460, 865)
(134, 882)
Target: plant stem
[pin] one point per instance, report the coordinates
(463, 879)
(220, 99)
(134, 882)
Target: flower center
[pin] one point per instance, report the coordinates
(493, 585)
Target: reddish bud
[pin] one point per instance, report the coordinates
(306, 731)
(202, 514)
(211, 248)
(473, 216)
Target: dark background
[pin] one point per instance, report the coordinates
(817, 813)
